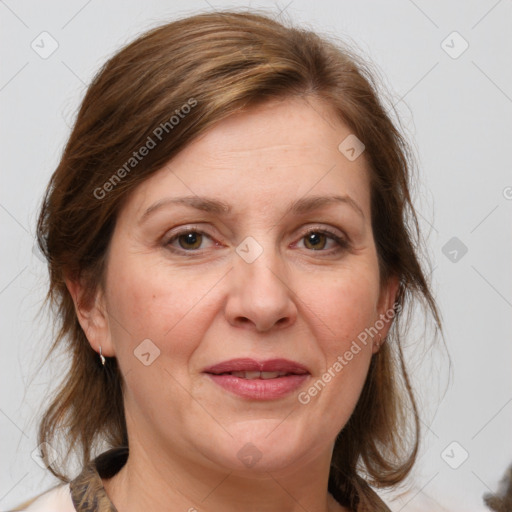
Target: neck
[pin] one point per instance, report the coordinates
(170, 482)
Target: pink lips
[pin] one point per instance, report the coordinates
(258, 389)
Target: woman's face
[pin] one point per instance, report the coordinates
(223, 255)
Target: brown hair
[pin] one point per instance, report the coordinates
(217, 64)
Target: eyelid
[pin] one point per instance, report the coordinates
(326, 229)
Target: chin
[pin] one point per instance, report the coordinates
(266, 447)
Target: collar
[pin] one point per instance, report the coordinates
(87, 491)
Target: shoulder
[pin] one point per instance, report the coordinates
(57, 499)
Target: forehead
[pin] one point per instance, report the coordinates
(277, 150)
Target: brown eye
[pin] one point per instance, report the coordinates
(315, 240)
(324, 241)
(190, 240)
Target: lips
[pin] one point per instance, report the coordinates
(250, 368)
(266, 380)
(259, 375)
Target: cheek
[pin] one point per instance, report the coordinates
(167, 308)
(349, 313)
(346, 305)
(146, 303)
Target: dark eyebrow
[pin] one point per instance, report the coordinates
(205, 204)
(310, 203)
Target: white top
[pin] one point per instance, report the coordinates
(57, 499)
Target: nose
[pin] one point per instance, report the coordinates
(259, 295)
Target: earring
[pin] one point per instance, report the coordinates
(102, 358)
(377, 343)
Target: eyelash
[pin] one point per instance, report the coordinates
(343, 244)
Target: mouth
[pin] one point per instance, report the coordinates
(257, 375)
(265, 380)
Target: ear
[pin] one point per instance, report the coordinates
(92, 314)
(385, 309)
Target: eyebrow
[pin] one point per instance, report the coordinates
(206, 204)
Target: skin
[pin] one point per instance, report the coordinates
(300, 299)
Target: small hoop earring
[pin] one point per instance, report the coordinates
(102, 358)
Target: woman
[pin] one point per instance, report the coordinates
(231, 248)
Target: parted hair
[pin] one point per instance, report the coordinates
(218, 64)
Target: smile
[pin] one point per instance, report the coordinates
(267, 380)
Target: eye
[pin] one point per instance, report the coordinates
(317, 240)
(188, 240)
(191, 240)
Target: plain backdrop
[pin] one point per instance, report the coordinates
(447, 67)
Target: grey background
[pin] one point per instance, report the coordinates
(458, 112)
